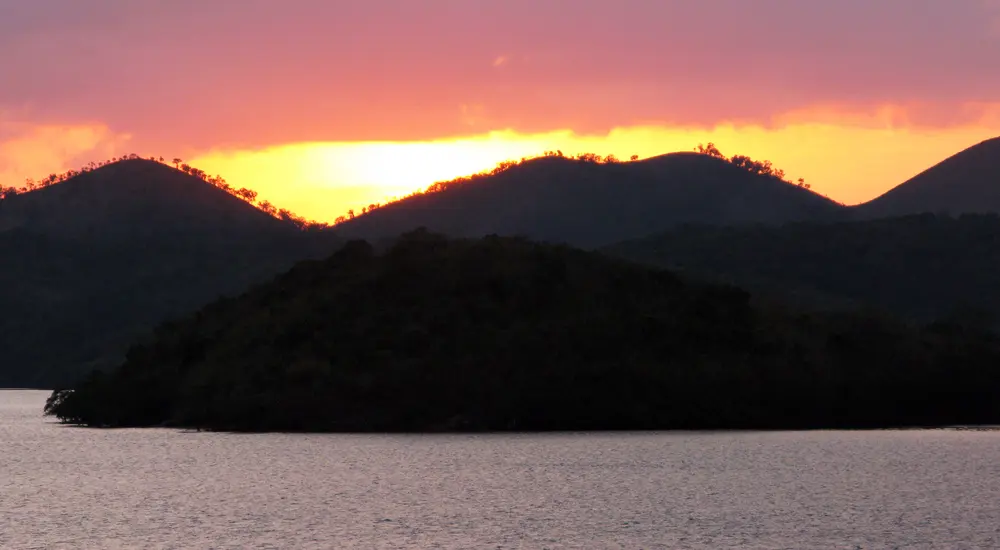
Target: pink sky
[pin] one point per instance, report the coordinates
(196, 78)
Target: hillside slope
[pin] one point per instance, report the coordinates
(502, 333)
(91, 264)
(134, 199)
(587, 204)
(921, 266)
(967, 182)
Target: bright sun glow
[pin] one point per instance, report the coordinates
(400, 168)
(851, 162)
(323, 180)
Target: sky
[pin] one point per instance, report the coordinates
(325, 105)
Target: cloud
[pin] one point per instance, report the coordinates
(913, 115)
(35, 151)
(191, 75)
(474, 115)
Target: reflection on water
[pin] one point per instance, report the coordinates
(64, 487)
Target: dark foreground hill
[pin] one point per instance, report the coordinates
(968, 182)
(590, 204)
(923, 266)
(91, 264)
(131, 200)
(501, 333)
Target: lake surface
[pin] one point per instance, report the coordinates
(64, 487)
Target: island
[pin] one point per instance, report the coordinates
(435, 334)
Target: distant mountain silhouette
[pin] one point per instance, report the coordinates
(968, 182)
(89, 265)
(133, 199)
(589, 204)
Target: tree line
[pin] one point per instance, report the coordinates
(501, 167)
(243, 193)
(765, 168)
(759, 167)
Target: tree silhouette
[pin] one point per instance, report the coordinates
(7, 192)
(243, 193)
(250, 196)
(710, 150)
(759, 167)
(247, 194)
(268, 207)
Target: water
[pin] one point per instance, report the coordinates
(63, 487)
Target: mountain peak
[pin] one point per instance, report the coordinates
(590, 203)
(131, 197)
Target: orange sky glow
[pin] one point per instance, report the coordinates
(850, 163)
(327, 105)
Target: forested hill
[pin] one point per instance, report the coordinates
(135, 199)
(588, 203)
(505, 334)
(922, 266)
(92, 263)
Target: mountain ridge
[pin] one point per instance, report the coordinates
(968, 181)
(586, 203)
(134, 194)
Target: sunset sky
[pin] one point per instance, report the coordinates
(325, 105)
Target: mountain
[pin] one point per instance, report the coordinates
(89, 265)
(501, 334)
(94, 262)
(968, 182)
(922, 266)
(134, 199)
(590, 204)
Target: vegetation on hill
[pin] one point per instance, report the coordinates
(242, 193)
(922, 266)
(505, 334)
(761, 167)
(966, 182)
(764, 168)
(590, 200)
